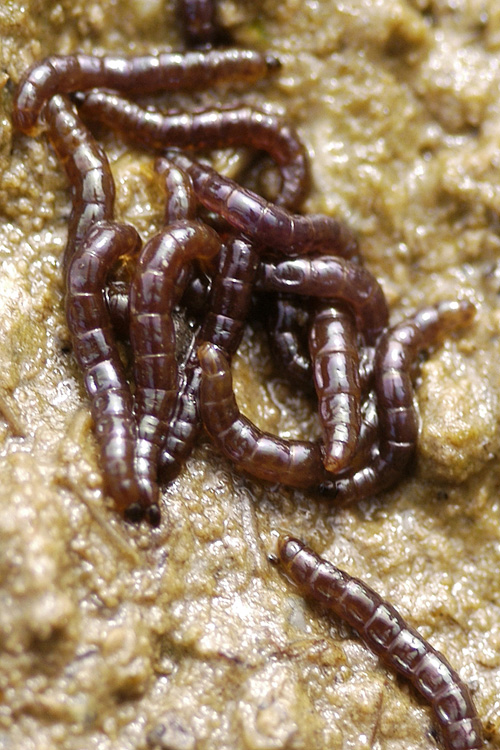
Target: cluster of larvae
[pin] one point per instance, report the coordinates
(307, 267)
(221, 246)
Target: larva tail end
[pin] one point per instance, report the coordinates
(336, 456)
(288, 547)
(211, 358)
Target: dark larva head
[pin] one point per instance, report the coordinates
(153, 515)
(272, 63)
(134, 513)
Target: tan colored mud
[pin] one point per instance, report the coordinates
(185, 637)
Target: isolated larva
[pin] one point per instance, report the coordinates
(388, 635)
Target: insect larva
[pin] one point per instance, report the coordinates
(286, 327)
(180, 204)
(287, 324)
(213, 128)
(199, 20)
(333, 279)
(297, 463)
(228, 306)
(396, 351)
(147, 74)
(181, 201)
(335, 360)
(366, 444)
(385, 632)
(117, 294)
(98, 357)
(152, 335)
(87, 168)
(195, 294)
(266, 223)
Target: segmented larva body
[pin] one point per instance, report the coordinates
(199, 20)
(332, 279)
(228, 306)
(180, 204)
(385, 632)
(212, 128)
(98, 356)
(395, 354)
(170, 71)
(287, 324)
(287, 335)
(334, 354)
(367, 445)
(231, 294)
(266, 223)
(181, 201)
(195, 295)
(116, 294)
(297, 463)
(87, 168)
(152, 335)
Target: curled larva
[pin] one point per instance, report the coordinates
(152, 335)
(212, 128)
(297, 463)
(333, 279)
(266, 223)
(146, 74)
(98, 356)
(228, 306)
(395, 354)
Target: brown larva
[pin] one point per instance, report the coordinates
(146, 74)
(395, 354)
(385, 632)
(334, 353)
(152, 335)
(228, 305)
(332, 279)
(212, 128)
(297, 463)
(98, 357)
(266, 223)
(87, 168)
